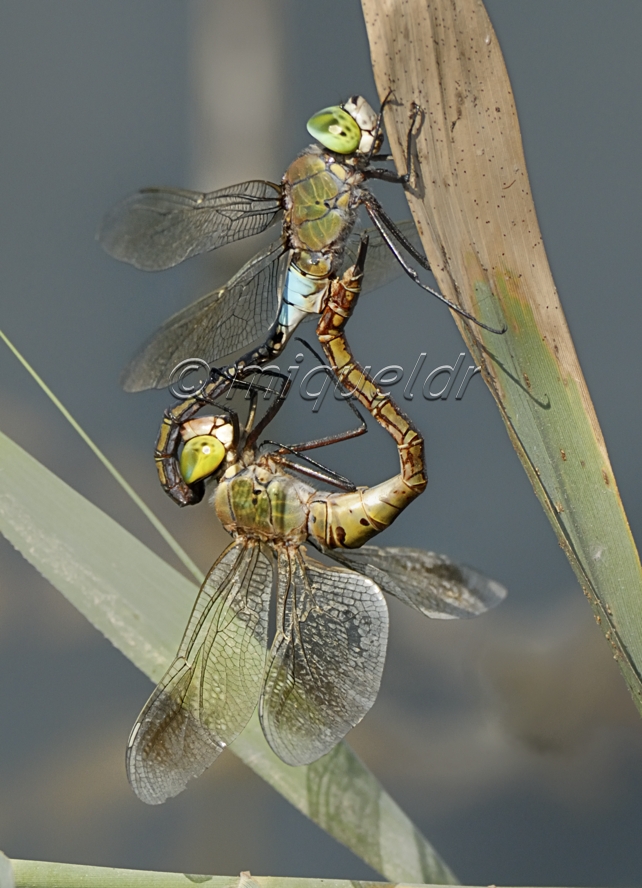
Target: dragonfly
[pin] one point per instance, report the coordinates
(321, 672)
(317, 202)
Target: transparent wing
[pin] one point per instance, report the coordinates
(241, 312)
(326, 661)
(211, 689)
(157, 228)
(381, 266)
(217, 324)
(431, 583)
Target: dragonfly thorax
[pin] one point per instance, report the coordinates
(320, 198)
(263, 502)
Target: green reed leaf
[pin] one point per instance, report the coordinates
(38, 874)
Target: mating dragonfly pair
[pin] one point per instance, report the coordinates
(320, 673)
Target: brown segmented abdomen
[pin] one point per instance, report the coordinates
(348, 520)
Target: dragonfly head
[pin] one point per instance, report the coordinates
(347, 129)
(207, 442)
(368, 122)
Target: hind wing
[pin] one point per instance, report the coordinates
(324, 668)
(430, 583)
(216, 325)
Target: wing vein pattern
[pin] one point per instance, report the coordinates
(324, 668)
(156, 228)
(211, 689)
(428, 582)
(217, 324)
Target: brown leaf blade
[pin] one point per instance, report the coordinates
(471, 200)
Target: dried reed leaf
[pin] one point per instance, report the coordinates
(471, 201)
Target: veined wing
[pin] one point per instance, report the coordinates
(431, 583)
(211, 689)
(381, 266)
(240, 312)
(326, 661)
(157, 228)
(217, 324)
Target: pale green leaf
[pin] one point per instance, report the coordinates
(7, 879)
(38, 874)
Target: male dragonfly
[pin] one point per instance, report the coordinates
(318, 199)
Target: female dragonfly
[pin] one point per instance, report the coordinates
(323, 668)
(319, 198)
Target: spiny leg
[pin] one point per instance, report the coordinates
(374, 211)
(389, 175)
(373, 206)
(316, 470)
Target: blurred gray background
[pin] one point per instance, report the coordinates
(510, 740)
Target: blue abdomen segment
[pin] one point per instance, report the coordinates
(302, 296)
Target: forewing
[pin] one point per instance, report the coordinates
(157, 228)
(211, 689)
(381, 266)
(168, 745)
(326, 661)
(431, 583)
(216, 325)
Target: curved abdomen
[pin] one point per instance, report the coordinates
(348, 520)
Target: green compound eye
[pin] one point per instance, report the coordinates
(200, 457)
(335, 129)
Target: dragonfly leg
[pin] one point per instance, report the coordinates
(337, 438)
(388, 175)
(274, 407)
(373, 208)
(374, 211)
(320, 473)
